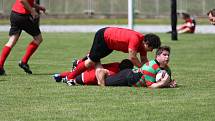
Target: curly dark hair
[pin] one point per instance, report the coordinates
(152, 40)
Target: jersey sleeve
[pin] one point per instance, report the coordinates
(134, 43)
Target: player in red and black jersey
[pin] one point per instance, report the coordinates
(88, 77)
(112, 38)
(189, 24)
(23, 17)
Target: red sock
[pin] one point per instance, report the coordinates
(32, 47)
(5, 52)
(78, 70)
(64, 74)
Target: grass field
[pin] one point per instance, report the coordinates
(95, 21)
(38, 98)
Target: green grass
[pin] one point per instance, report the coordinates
(93, 21)
(38, 98)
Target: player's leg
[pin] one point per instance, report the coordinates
(81, 67)
(31, 48)
(14, 34)
(59, 76)
(6, 51)
(125, 77)
(31, 26)
(120, 79)
(79, 80)
(99, 50)
(76, 62)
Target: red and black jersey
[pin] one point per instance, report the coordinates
(191, 24)
(18, 7)
(122, 39)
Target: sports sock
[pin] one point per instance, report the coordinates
(32, 47)
(78, 70)
(81, 60)
(5, 52)
(64, 74)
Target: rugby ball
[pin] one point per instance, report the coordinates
(161, 74)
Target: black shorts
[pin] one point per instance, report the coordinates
(99, 48)
(79, 80)
(24, 22)
(125, 77)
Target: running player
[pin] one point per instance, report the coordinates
(23, 17)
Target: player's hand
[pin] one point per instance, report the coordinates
(34, 14)
(173, 84)
(43, 9)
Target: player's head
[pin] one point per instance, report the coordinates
(126, 64)
(162, 55)
(211, 16)
(185, 15)
(152, 41)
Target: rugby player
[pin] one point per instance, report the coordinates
(23, 17)
(88, 77)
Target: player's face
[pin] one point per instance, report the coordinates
(148, 48)
(211, 19)
(163, 58)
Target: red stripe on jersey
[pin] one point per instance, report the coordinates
(149, 83)
(155, 66)
(149, 73)
(143, 77)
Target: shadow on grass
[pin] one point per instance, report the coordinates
(3, 80)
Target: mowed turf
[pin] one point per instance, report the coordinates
(37, 97)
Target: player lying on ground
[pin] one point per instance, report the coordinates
(146, 75)
(88, 77)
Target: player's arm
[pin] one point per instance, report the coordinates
(39, 7)
(101, 74)
(144, 59)
(132, 55)
(29, 8)
(165, 82)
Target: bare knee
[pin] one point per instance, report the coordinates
(88, 63)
